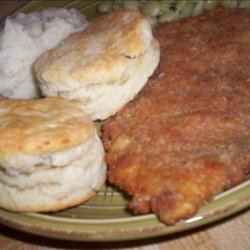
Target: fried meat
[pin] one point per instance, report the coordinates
(186, 136)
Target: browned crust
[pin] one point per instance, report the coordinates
(186, 136)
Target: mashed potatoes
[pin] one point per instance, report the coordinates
(24, 38)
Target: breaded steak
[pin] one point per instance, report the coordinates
(186, 136)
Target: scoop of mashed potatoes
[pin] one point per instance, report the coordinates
(24, 38)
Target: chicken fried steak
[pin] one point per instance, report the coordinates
(186, 136)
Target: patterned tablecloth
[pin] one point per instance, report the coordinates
(231, 233)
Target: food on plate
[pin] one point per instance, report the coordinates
(186, 136)
(24, 38)
(103, 67)
(161, 11)
(50, 155)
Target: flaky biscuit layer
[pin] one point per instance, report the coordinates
(103, 67)
(51, 183)
(100, 54)
(46, 125)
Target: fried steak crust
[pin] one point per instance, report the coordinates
(186, 136)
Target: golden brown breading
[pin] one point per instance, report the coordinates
(186, 137)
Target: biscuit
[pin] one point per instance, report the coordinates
(50, 155)
(102, 67)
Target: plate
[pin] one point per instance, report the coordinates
(105, 217)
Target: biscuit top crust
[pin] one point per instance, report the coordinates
(102, 53)
(46, 125)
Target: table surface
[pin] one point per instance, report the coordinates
(231, 233)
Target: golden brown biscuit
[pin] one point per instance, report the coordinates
(50, 155)
(102, 67)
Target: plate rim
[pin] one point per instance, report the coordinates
(104, 230)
